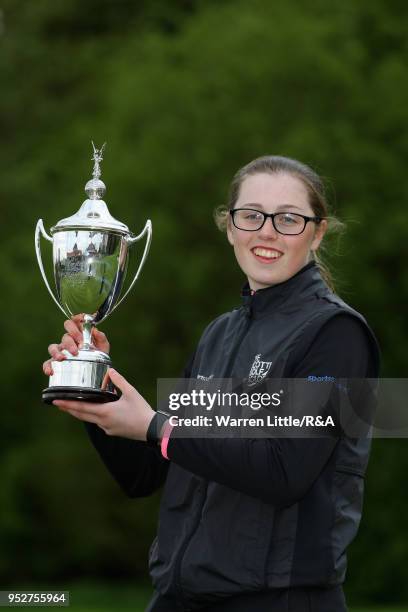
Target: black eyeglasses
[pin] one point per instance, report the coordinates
(287, 223)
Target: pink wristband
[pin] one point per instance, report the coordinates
(165, 439)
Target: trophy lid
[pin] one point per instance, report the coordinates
(93, 214)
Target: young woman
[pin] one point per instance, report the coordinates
(251, 524)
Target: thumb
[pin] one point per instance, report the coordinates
(120, 382)
(98, 332)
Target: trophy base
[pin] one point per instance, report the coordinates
(83, 377)
(76, 393)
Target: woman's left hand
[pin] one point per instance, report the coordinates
(128, 417)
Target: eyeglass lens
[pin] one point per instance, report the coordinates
(286, 223)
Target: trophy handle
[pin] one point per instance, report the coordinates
(131, 240)
(38, 231)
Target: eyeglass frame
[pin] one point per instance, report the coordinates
(272, 216)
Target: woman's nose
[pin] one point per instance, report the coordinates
(268, 230)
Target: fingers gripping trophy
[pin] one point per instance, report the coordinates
(90, 257)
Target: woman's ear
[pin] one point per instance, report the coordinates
(319, 233)
(230, 232)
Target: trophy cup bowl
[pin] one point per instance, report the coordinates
(90, 260)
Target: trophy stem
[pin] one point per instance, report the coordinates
(87, 333)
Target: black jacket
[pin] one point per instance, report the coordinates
(241, 515)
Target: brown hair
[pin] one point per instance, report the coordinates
(311, 180)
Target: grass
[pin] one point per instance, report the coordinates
(99, 597)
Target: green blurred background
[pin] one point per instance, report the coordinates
(185, 93)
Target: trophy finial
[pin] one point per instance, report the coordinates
(95, 188)
(94, 213)
(97, 157)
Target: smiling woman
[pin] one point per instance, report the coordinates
(274, 184)
(252, 523)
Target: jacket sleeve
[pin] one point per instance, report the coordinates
(138, 468)
(281, 470)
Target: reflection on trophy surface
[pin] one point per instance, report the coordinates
(90, 258)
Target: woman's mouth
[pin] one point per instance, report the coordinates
(266, 255)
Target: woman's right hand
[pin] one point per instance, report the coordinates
(71, 340)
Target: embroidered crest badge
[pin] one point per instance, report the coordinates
(258, 371)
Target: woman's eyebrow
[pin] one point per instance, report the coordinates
(260, 206)
(286, 206)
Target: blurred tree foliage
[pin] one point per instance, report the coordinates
(185, 93)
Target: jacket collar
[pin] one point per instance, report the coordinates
(302, 285)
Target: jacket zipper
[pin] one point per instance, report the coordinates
(182, 550)
(238, 343)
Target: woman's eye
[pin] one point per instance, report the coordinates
(252, 216)
(289, 219)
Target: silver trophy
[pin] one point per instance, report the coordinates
(90, 256)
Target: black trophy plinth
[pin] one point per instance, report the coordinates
(96, 396)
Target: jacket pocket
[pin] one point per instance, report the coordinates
(226, 553)
(348, 492)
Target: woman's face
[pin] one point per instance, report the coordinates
(265, 256)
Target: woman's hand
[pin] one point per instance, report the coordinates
(128, 417)
(71, 340)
